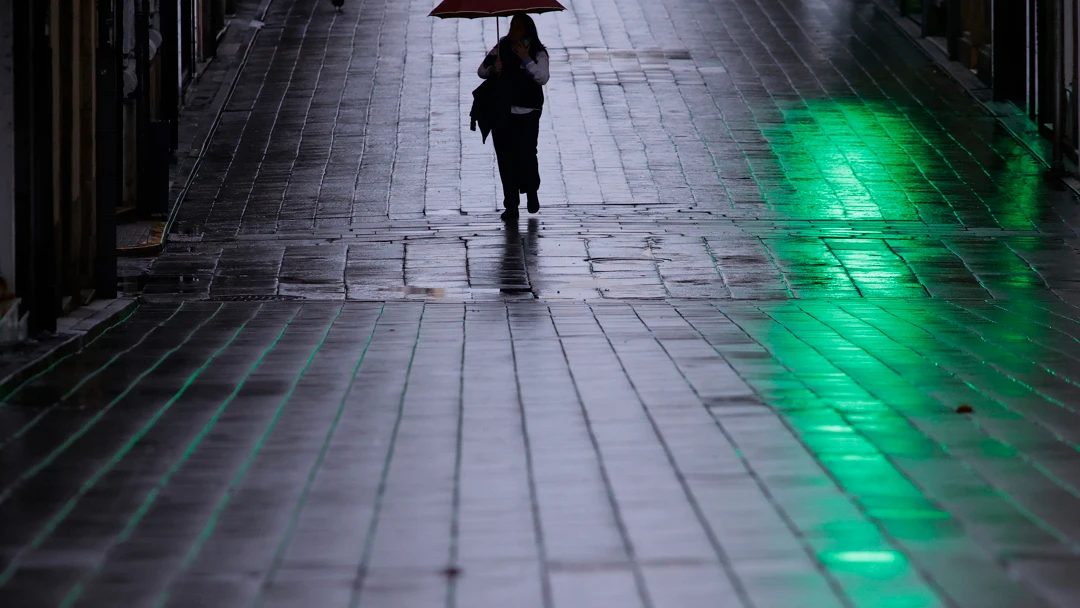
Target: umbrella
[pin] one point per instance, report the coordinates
(471, 9)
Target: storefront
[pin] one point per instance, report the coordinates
(201, 23)
(962, 28)
(90, 92)
(9, 315)
(1026, 50)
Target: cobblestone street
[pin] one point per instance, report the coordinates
(797, 325)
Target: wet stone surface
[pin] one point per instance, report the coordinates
(747, 150)
(797, 325)
(678, 453)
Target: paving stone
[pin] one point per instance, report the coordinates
(547, 452)
(677, 129)
(722, 367)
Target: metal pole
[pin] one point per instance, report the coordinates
(109, 150)
(64, 93)
(1057, 165)
(170, 63)
(1075, 78)
(144, 173)
(954, 28)
(1033, 67)
(35, 240)
(23, 68)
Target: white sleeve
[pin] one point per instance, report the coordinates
(484, 71)
(539, 69)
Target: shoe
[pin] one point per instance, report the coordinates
(534, 203)
(510, 215)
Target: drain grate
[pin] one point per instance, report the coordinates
(253, 297)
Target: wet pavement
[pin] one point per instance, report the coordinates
(688, 150)
(797, 325)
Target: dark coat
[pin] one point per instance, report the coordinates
(524, 91)
(490, 108)
(491, 105)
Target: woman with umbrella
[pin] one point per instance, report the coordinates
(520, 61)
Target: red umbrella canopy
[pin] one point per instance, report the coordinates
(471, 9)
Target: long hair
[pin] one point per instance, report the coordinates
(535, 46)
(530, 32)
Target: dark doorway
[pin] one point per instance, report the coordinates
(187, 40)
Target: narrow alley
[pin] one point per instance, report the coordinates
(797, 325)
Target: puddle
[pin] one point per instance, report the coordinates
(463, 292)
(410, 290)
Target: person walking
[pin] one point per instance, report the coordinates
(520, 62)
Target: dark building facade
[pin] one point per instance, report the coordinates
(90, 93)
(1025, 50)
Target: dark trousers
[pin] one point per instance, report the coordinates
(515, 147)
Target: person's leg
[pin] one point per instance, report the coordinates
(503, 138)
(527, 165)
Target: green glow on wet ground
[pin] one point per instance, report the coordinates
(865, 159)
(843, 558)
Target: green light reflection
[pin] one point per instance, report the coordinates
(865, 159)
